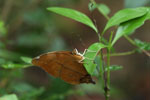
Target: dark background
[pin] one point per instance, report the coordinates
(32, 30)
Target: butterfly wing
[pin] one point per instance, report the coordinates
(62, 64)
(49, 63)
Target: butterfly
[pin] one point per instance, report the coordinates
(65, 65)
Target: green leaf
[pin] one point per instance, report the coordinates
(132, 25)
(90, 55)
(113, 68)
(142, 45)
(2, 29)
(9, 97)
(12, 65)
(125, 15)
(27, 60)
(129, 27)
(91, 6)
(103, 9)
(90, 67)
(148, 14)
(73, 14)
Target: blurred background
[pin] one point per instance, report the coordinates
(28, 29)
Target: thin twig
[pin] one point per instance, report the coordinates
(133, 43)
(122, 53)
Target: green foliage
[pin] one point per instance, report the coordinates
(90, 56)
(125, 15)
(27, 60)
(73, 14)
(11, 65)
(9, 97)
(102, 8)
(142, 45)
(128, 27)
(3, 30)
(91, 6)
(32, 32)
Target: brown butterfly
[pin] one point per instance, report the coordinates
(65, 65)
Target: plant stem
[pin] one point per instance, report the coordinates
(107, 88)
(101, 71)
(122, 53)
(107, 81)
(105, 78)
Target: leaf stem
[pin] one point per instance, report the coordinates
(122, 53)
(133, 43)
(130, 40)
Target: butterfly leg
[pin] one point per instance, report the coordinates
(86, 50)
(81, 61)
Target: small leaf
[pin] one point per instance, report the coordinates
(129, 27)
(113, 68)
(91, 6)
(27, 60)
(73, 14)
(90, 55)
(125, 15)
(9, 97)
(12, 66)
(103, 9)
(142, 45)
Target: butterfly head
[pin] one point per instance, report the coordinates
(77, 54)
